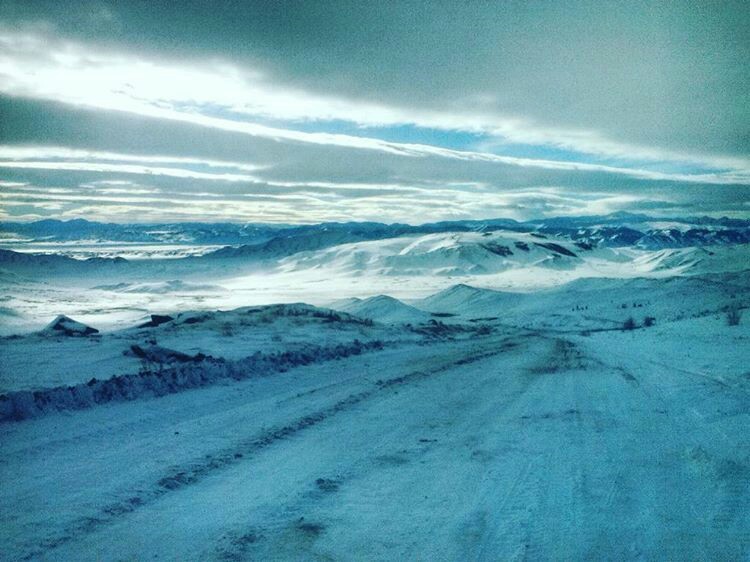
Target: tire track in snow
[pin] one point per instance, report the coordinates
(190, 474)
(732, 475)
(281, 530)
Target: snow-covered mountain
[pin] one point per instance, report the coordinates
(51, 230)
(323, 263)
(465, 253)
(267, 241)
(607, 232)
(491, 253)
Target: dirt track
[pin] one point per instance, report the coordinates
(512, 447)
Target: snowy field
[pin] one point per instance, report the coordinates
(112, 294)
(443, 396)
(516, 445)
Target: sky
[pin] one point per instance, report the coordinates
(305, 112)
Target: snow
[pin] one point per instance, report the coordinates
(27, 364)
(161, 288)
(112, 294)
(68, 327)
(383, 308)
(459, 449)
(384, 394)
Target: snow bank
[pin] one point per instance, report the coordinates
(159, 379)
(161, 355)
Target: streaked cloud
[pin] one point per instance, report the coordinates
(46, 68)
(231, 125)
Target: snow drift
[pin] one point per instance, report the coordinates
(159, 378)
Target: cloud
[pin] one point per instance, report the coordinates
(49, 68)
(395, 112)
(164, 198)
(314, 184)
(125, 169)
(643, 73)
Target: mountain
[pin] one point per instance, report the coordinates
(51, 230)
(271, 242)
(650, 238)
(550, 251)
(445, 254)
(612, 231)
(306, 238)
(35, 263)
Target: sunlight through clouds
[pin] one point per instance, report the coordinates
(233, 128)
(219, 94)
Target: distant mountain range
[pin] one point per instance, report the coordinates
(264, 241)
(611, 231)
(51, 230)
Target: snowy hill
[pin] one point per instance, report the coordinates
(440, 254)
(480, 254)
(597, 303)
(385, 309)
(463, 299)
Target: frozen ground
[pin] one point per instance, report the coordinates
(26, 361)
(449, 396)
(518, 445)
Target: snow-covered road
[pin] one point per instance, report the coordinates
(515, 446)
